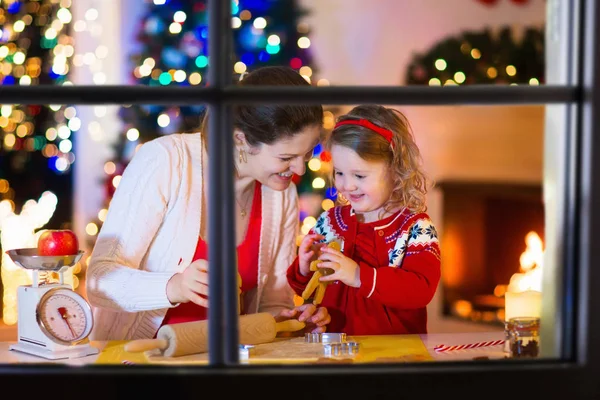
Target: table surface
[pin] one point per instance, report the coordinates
(430, 341)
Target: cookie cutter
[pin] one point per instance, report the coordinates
(324, 337)
(345, 349)
(246, 350)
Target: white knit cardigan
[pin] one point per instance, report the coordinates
(151, 231)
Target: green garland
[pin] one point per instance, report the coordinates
(482, 57)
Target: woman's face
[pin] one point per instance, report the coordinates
(274, 164)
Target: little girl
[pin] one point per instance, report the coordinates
(388, 268)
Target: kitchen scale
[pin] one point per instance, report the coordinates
(54, 322)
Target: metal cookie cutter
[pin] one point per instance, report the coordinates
(324, 337)
(245, 351)
(346, 349)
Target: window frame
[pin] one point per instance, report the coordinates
(577, 325)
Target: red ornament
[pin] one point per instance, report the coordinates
(325, 156)
(296, 63)
(34, 110)
(296, 179)
(108, 183)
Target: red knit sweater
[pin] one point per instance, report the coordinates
(399, 261)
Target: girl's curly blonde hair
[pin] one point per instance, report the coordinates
(410, 182)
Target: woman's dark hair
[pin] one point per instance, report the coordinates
(268, 123)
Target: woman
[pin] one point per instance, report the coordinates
(149, 265)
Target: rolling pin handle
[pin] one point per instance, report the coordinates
(290, 325)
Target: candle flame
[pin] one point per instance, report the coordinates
(531, 263)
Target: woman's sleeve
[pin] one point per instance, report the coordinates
(136, 211)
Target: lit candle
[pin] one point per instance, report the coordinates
(522, 304)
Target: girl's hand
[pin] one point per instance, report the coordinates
(345, 269)
(316, 318)
(307, 251)
(190, 285)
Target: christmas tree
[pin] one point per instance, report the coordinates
(504, 56)
(36, 146)
(174, 38)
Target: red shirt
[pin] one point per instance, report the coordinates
(247, 253)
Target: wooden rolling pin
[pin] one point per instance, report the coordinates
(192, 337)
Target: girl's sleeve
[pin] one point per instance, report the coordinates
(413, 283)
(136, 211)
(296, 280)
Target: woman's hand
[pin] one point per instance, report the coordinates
(316, 318)
(307, 251)
(345, 269)
(190, 285)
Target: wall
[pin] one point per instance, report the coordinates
(371, 43)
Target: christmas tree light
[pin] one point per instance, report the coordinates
(504, 56)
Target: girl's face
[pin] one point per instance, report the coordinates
(366, 184)
(274, 164)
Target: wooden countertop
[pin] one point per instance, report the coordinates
(374, 349)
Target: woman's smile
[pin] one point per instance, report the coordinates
(285, 176)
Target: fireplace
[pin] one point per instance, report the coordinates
(484, 231)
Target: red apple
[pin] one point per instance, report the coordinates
(61, 242)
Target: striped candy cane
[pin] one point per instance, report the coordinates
(443, 347)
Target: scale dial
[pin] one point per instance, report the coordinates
(64, 316)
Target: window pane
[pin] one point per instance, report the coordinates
(167, 42)
(60, 169)
(464, 42)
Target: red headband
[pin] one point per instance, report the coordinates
(387, 135)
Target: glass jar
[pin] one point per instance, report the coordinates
(507, 329)
(524, 337)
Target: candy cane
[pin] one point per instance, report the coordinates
(443, 347)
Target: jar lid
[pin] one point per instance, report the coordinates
(524, 322)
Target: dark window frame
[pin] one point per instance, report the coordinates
(572, 375)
